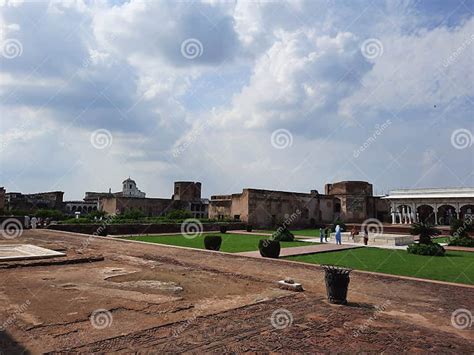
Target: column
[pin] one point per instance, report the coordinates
(393, 217)
(399, 217)
(409, 216)
(436, 214)
(404, 214)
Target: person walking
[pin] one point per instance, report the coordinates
(321, 234)
(34, 221)
(326, 234)
(338, 234)
(366, 235)
(353, 233)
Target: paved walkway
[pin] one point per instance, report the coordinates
(312, 249)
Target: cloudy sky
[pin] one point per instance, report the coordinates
(279, 95)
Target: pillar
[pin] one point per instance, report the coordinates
(399, 217)
(393, 218)
(404, 214)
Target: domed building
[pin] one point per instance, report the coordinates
(130, 189)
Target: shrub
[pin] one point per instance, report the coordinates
(282, 234)
(248, 228)
(53, 214)
(461, 229)
(425, 231)
(179, 214)
(461, 242)
(131, 214)
(223, 229)
(212, 242)
(269, 248)
(102, 231)
(433, 249)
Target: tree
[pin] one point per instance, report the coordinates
(425, 231)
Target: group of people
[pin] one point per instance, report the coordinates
(34, 222)
(324, 233)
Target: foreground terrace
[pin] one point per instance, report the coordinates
(118, 295)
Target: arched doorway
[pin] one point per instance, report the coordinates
(467, 211)
(337, 208)
(426, 214)
(446, 213)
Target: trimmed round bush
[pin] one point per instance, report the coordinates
(433, 249)
(212, 242)
(102, 231)
(269, 248)
(223, 229)
(462, 242)
(248, 228)
(282, 234)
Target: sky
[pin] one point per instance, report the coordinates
(235, 94)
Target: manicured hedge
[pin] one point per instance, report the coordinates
(212, 242)
(269, 248)
(223, 229)
(462, 242)
(433, 249)
(282, 234)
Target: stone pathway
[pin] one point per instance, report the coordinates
(312, 249)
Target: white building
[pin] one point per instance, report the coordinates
(129, 189)
(436, 206)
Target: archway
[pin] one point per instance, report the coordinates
(467, 211)
(446, 213)
(337, 208)
(426, 214)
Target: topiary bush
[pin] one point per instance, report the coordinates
(282, 234)
(462, 242)
(269, 248)
(223, 229)
(212, 242)
(433, 249)
(248, 228)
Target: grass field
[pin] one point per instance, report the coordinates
(305, 232)
(454, 267)
(231, 243)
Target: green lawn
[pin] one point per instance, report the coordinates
(231, 243)
(454, 266)
(305, 232)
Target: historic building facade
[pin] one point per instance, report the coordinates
(187, 196)
(350, 201)
(436, 206)
(33, 202)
